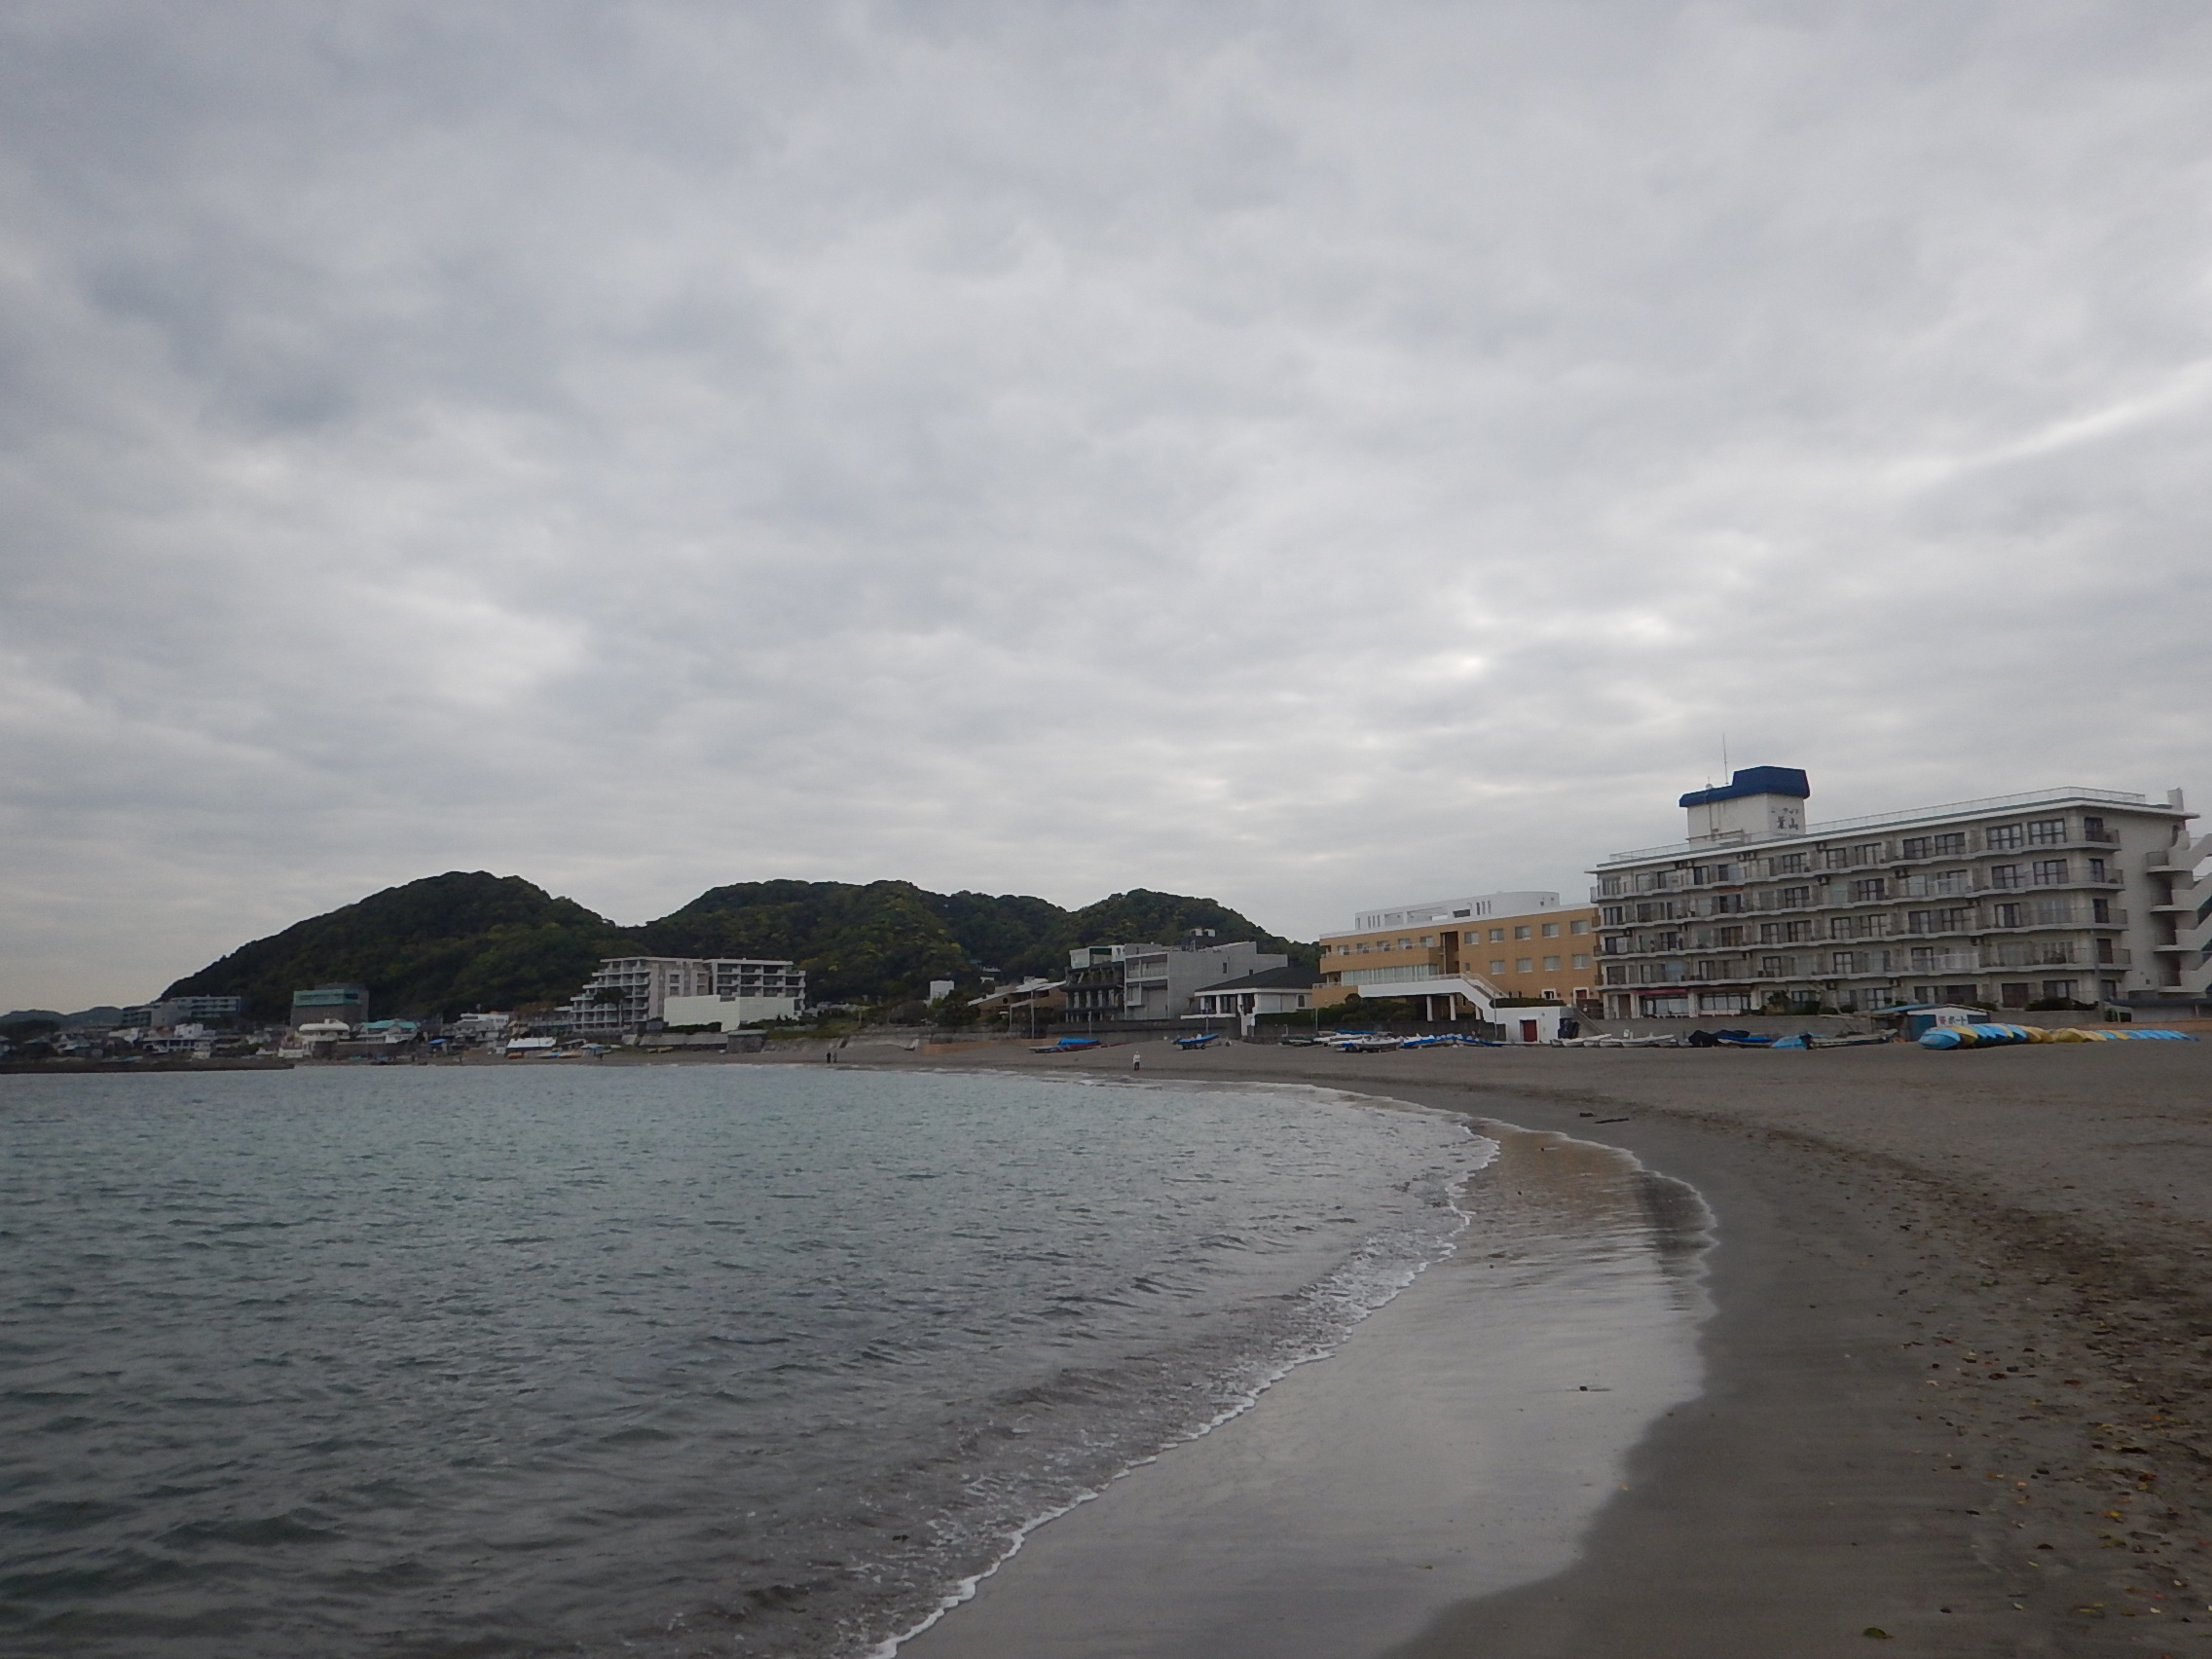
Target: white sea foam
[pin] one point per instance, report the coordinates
(1378, 1270)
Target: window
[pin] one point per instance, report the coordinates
(1796, 931)
(1616, 976)
(1913, 847)
(2007, 916)
(1428, 940)
(1794, 898)
(1770, 933)
(1948, 845)
(1521, 932)
(2097, 870)
(1844, 962)
(2100, 909)
(1612, 916)
(2050, 912)
(1550, 964)
(2008, 838)
(1872, 890)
(1551, 930)
(2058, 988)
(1835, 858)
(2049, 872)
(1523, 965)
(2048, 833)
(1727, 939)
(1498, 964)
(1770, 968)
(1582, 962)
(1789, 863)
(1839, 927)
(2093, 829)
(1497, 935)
(1405, 944)
(2005, 875)
(1870, 853)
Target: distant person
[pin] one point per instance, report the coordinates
(1136, 1062)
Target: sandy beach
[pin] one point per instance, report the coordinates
(1952, 1389)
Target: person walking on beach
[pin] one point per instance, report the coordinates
(1136, 1062)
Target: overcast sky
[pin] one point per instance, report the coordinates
(1309, 455)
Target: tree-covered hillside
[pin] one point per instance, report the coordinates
(462, 941)
(439, 945)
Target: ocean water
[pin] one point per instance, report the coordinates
(662, 1360)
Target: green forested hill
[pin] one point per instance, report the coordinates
(446, 943)
(462, 940)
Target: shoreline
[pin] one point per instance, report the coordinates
(1524, 1364)
(1954, 1369)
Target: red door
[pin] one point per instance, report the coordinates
(1528, 1031)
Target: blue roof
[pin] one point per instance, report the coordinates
(1754, 781)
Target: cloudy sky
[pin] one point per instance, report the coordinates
(1310, 455)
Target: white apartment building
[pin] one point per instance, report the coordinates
(630, 991)
(2058, 896)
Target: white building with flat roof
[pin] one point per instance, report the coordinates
(1456, 910)
(2058, 896)
(630, 992)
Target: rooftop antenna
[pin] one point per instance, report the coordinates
(1724, 772)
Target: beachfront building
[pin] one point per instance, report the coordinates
(628, 993)
(1462, 955)
(1034, 1003)
(2058, 898)
(321, 1005)
(1288, 989)
(171, 1011)
(1155, 982)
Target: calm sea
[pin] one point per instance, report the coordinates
(661, 1360)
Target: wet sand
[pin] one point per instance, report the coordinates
(1954, 1379)
(1458, 1442)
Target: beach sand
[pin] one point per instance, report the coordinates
(1954, 1385)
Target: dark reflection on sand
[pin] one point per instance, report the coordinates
(1457, 1444)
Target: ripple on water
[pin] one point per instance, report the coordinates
(444, 1361)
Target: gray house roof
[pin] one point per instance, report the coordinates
(1292, 978)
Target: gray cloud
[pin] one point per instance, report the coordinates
(1297, 453)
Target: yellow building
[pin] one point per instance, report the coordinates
(1460, 954)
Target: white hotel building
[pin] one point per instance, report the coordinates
(2058, 896)
(629, 992)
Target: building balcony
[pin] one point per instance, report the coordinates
(2063, 913)
(2067, 953)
